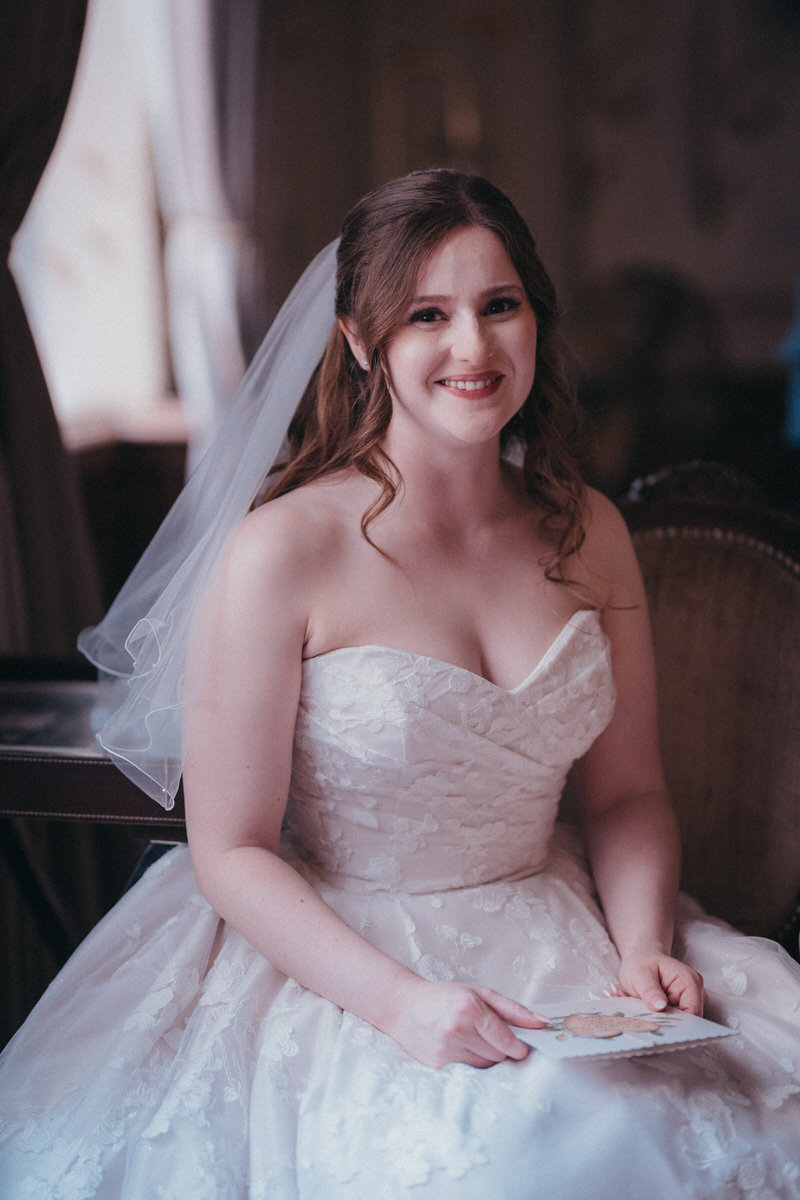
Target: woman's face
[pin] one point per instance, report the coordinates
(462, 361)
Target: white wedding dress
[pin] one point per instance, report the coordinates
(169, 1061)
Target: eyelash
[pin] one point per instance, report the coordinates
(427, 316)
(420, 317)
(509, 304)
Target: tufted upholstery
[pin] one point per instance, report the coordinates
(722, 573)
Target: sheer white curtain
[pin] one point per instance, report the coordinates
(87, 258)
(204, 242)
(159, 141)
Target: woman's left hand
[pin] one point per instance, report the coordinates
(659, 980)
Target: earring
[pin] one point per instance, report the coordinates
(364, 363)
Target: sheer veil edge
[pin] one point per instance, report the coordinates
(140, 645)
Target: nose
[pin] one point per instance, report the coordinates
(471, 340)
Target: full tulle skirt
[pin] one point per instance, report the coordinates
(170, 1060)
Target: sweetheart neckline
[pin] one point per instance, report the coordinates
(570, 625)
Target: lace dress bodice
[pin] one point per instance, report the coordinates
(411, 774)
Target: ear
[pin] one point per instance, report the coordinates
(354, 342)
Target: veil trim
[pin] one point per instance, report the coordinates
(140, 645)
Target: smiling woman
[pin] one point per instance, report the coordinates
(392, 665)
(470, 336)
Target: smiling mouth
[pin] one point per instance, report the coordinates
(489, 383)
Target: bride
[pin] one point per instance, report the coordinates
(394, 660)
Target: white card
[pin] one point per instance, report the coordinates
(621, 1025)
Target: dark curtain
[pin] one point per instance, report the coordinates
(55, 586)
(244, 37)
(48, 587)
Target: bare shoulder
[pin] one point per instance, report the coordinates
(608, 556)
(285, 539)
(273, 569)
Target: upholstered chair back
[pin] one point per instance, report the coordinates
(722, 573)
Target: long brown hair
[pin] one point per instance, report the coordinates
(344, 414)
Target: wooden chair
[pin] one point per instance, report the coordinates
(722, 572)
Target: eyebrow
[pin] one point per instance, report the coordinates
(501, 289)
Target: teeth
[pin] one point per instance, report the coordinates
(468, 385)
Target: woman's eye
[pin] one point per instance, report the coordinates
(425, 316)
(502, 304)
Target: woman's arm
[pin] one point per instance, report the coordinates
(631, 831)
(243, 690)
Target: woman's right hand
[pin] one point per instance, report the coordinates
(441, 1023)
